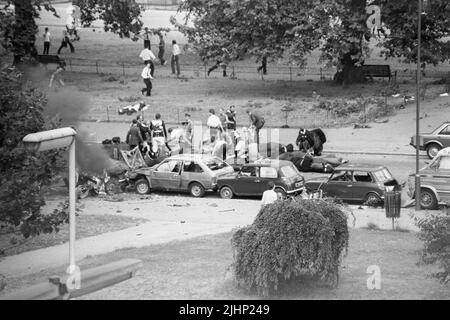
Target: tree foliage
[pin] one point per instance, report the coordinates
(18, 27)
(288, 241)
(22, 173)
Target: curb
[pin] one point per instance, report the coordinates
(398, 154)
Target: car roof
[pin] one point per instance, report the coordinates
(359, 167)
(193, 156)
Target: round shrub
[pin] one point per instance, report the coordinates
(288, 240)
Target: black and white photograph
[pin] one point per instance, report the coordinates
(241, 151)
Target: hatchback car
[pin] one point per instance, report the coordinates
(434, 141)
(355, 182)
(252, 179)
(193, 173)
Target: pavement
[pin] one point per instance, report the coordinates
(174, 218)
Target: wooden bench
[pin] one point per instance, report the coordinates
(382, 71)
(46, 59)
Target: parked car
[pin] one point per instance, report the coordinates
(252, 179)
(193, 173)
(355, 182)
(434, 141)
(434, 181)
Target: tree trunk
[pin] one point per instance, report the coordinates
(350, 73)
(24, 32)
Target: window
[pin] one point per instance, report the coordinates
(249, 171)
(382, 175)
(342, 176)
(362, 176)
(289, 171)
(445, 131)
(170, 166)
(191, 166)
(268, 172)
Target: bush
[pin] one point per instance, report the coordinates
(289, 240)
(435, 233)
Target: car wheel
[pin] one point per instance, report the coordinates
(226, 193)
(427, 199)
(372, 199)
(196, 190)
(112, 186)
(82, 191)
(432, 150)
(142, 186)
(280, 193)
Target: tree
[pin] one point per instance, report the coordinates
(18, 31)
(339, 28)
(22, 173)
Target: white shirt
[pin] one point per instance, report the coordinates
(146, 73)
(47, 37)
(269, 196)
(147, 54)
(214, 121)
(175, 50)
(240, 148)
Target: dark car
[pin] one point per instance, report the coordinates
(355, 182)
(252, 179)
(434, 141)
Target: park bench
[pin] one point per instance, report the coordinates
(46, 59)
(382, 71)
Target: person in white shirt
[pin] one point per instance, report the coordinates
(214, 124)
(175, 63)
(148, 57)
(46, 41)
(147, 76)
(220, 148)
(239, 151)
(269, 196)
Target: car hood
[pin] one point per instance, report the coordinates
(228, 176)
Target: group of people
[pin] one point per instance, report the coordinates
(64, 42)
(149, 59)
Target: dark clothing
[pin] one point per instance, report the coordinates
(162, 47)
(158, 128)
(231, 117)
(148, 87)
(64, 43)
(175, 63)
(219, 63)
(257, 120)
(46, 47)
(147, 44)
(263, 65)
(134, 137)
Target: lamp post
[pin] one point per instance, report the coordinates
(54, 139)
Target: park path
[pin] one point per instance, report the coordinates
(173, 218)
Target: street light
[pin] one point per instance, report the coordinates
(54, 139)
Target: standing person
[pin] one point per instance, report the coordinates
(269, 196)
(221, 62)
(148, 57)
(220, 147)
(189, 127)
(66, 41)
(147, 76)
(257, 121)
(146, 36)
(214, 124)
(46, 41)
(231, 118)
(56, 76)
(134, 137)
(263, 65)
(223, 119)
(175, 62)
(159, 132)
(162, 48)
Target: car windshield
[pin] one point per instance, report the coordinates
(288, 171)
(215, 164)
(382, 175)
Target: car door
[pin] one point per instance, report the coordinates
(444, 136)
(340, 185)
(247, 181)
(166, 175)
(363, 183)
(192, 171)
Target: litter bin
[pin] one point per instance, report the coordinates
(392, 203)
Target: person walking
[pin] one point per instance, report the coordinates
(263, 65)
(175, 61)
(257, 122)
(56, 76)
(222, 62)
(148, 57)
(269, 196)
(134, 137)
(214, 124)
(146, 37)
(66, 41)
(147, 76)
(46, 41)
(162, 48)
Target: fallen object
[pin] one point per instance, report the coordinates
(130, 109)
(445, 94)
(361, 126)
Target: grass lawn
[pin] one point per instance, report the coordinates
(199, 269)
(87, 225)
